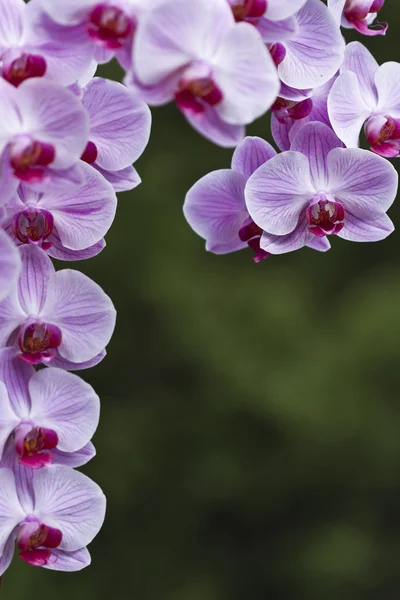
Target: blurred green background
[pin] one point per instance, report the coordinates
(249, 441)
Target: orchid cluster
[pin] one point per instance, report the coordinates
(68, 140)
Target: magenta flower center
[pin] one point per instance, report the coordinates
(38, 342)
(325, 217)
(249, 9)
(35, 541)
(278, 53)
(24, 67)
(32, 444)
(193, 95)
(289, 109)
(29, 157)
(354, 9)
(251, 233)
(90, 153)
(110, 25)
(383, 135)
(33, 226)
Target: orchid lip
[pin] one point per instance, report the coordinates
(39, 342)
(325, 217)
(29, 158)
(32, 444)
(24, 67)
(33, 226)
(110, 26)
(35, 540)
(249, 9)
(194, 93)
(251, 233)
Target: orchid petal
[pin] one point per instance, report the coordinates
(387, 80)
(69, 501)
(66, 404)
(215, 209)
(316, 140)
(280, 244)
(360, 61)
(16, 374)
(364, 182)
(315, 54)
(176, 33)
(56, 116)
(347, 109)
(11, 513)
(246, 75)
(68, 561)
(250, 154)
(119, 123)
(359, 230)
(278, 192)
(83, 214)
(83, 312)
(37, 270)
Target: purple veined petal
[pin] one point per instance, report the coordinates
(11, 23)
(74, 459)
(281, 244)
(155, 95)
(68, 561)
(69, 501)
(177, 32)
(316, 52)
(122, 181)
(359, 230)
(61, 46)
(321, 244)
(280, 133)
(215, 209)
(83, 312)
(294, 94)
(84, 214)
(103, 55)
(283, 9)
(245, 73)
(66, 404)
(277, 31)
(37, 270)
(68, 365)
(365, 183)
(15, 374)
(59, 252)
(119, 123)
(56, 116)
(251, 153)
(316, 140)
(8, 182)
(360, 61)
(8, 419)
(10, 265)
(209, 124)
(68, 13)
(58, 179)
(11, 316)
(278, 192)
(11, 513)
(347, 110)
(336, 7)
(10, 118)
(387, 81)
(7, 553)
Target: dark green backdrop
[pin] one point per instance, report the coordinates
(249, 440)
